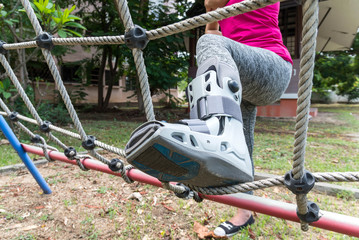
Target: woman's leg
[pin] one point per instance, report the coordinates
(264, 76)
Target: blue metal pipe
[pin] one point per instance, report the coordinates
(9, 134)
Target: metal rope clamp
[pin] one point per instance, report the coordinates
(303, 186)
(70, 153)
(45, 127)
(89, 143)
(13, 116)
(36, 139)
(116, 165)
(136, 38)
(2, 49)
(312, 214)
(299, 186)
(44, 40)
(187, 194)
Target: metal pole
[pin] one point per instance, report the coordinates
(9, 134)
(330, 221)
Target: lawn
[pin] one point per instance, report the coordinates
(93, 205)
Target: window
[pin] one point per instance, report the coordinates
(116, 80)
(130, 83)
(39, 70)
(289, 26)
(95, 74)
(71, 73)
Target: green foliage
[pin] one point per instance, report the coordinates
(16, 27)
(4, 15)
(173, 102)
(338, 71)
(78, 94)
(56, 113)
(54, 20)
(5, 88)
(166, 59)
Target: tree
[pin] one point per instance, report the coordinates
(338, 71)
(164, 58)
(57, 21)
(101, 19)
(16, 27)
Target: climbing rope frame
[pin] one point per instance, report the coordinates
(296, 180)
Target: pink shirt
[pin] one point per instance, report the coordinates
(258, 28)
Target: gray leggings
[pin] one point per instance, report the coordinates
(264, 75)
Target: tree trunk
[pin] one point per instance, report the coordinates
(113, 70)
(143, 9)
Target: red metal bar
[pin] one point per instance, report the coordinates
(330, 221)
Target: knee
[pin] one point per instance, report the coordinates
(207, 40)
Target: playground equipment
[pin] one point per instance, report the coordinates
(298, 180)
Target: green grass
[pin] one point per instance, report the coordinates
(328, 147)
(8, 156)
(114, 133)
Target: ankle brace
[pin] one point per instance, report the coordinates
(207, 150)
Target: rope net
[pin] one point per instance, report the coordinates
(310, 23)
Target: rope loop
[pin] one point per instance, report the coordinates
(124, 175)
(42, 143)
(80, 164)
(186, 194)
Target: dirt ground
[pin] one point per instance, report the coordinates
(93, 205)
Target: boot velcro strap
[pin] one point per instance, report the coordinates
(196, 125)
(210, 105)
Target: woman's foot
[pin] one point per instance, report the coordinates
(228, 229)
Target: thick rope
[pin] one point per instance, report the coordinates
(19, 124)
(26, 100)
(309, 36)
(172, 187)
(105, 40)
(310, 22)
(182, 26)
(278, 181)
(57, 77)
(45, 149)
(26, 130)
(203, 19)
(125, 15)
(19, 89)
(22, 45)
(100, 144)
(145, 87)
